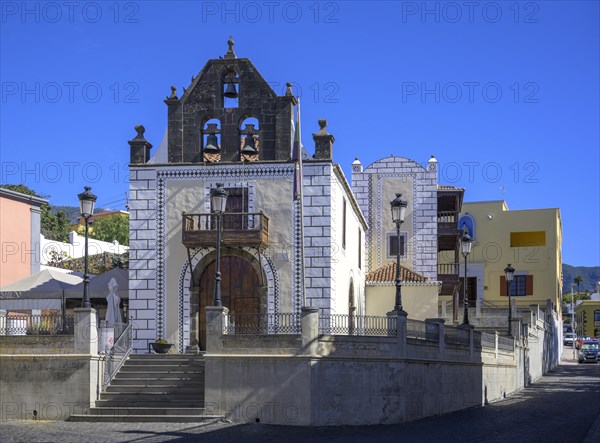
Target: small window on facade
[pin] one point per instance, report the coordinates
(393, 245)
(344, 225)
(520, 286)
(524, 239)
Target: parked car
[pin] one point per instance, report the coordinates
(568, 338)
(589, 351)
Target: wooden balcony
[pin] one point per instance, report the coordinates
(238, 230)
(448, 275)
(447, 222)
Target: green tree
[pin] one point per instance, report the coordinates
(53, 227)
(115, 227)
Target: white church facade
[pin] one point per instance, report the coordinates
(331, 249)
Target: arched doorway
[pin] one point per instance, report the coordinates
(240, 290)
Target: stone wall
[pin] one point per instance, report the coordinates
(50, 377)
(313, 379)
(37, 344)
(142, 255)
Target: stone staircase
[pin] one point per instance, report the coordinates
(154, 388)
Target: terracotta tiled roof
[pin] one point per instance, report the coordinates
(387, 273)
(449, 188)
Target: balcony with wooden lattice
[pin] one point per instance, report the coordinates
(242, 229)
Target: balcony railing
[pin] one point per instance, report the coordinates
(450, 217)
(239, 229)
(260, 324)
(368, 325)
(27, 324)
(448, 268)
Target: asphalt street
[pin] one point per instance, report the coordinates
(563, 406)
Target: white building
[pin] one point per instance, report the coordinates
(173, 235)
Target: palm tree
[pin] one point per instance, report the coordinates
(578, 279)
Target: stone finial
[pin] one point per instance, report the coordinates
(140, 132)
(288, 91)
(323, 142)
(357, 165)
(139, 147)
(173, 95)
(432, 164)
(230, 53)
(323, 127)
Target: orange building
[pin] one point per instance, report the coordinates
(20, 225)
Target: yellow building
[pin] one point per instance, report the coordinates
(587, 315)
(530, 240)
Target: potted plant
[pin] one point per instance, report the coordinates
(161, 346)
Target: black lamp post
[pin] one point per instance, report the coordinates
(86, 209)
(465, 245)
(398, 213)
(509, 273)
(218, 198)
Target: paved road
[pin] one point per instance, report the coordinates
(562, 407)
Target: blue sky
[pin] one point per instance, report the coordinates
(505, 94)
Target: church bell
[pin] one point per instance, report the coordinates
(249, 148)
(211, 144)
(231, 91)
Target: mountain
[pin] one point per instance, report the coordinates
(72, 212)
(590, 274)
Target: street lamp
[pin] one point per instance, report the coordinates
(509, 273)
(573, 326)
(465, 245)
(86, 209)
(398, 213)
(218, 199)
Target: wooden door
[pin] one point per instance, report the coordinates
(237, 202)
(240, 290)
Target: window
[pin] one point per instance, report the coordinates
(597, 317)
(393, 245)
(344, 224)
(523, 239)
(521, 285)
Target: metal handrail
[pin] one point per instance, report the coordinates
(365, 325)
(116, 356)
(259, 324)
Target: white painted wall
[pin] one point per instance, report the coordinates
(76, 247)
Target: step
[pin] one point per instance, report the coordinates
(151, 382)
(124, 411)
(155, 390)
(119, 403)
(147, 418)
(163, 361)
(162, 370)
(159, 396)
(189, 357)
(191, 376)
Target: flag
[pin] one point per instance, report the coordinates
(297, 157)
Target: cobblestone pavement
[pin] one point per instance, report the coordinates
(561, 407)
